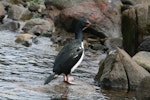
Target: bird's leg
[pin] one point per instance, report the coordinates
(65, 78)
(69, 79)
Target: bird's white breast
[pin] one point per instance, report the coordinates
(80, 60)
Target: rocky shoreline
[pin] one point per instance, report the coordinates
(118, 28)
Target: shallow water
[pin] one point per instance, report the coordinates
(24, 69)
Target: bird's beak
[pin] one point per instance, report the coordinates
(86, 26)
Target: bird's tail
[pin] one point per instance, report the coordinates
(50, 78)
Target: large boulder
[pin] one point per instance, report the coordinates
(118, 70)
(135, 25)
(134, 72)
(143, 59)
(111, 73)
(104, 15)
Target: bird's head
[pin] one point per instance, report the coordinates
(84, 24)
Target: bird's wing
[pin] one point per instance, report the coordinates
(68, 57)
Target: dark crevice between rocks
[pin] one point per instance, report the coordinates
(137, 33)
(126, 2)
(128, 32)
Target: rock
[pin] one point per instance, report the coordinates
(16, 12)
(78, 91)
(39, 26)
(26, 39)
(142, 92)
(62, 4)
(113, 43)
(27, 43)
(105, 16)
(17, 2)
(129, 31)
(134, 72)
(53, 13)
(119, 71)
(143, 59)
(11, 25)
(20, 38)
(148, 19)
(2, 11)
(141, 14)
(134, 26)
(98, 46)
(36, 8)
(145, 45)
(111, 73)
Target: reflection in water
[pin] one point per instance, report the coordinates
(119, 94)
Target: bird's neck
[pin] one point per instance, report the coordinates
(78, 33)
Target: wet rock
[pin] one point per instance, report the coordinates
(104, 15)
(27, 43)
(111, 73)
(142, 58)
(118, 70)
(16, 12)
(26, 39)
(142, 92)
(39, 26)
(11, 25)
(20, 38)
(63, 90)
(2, 11)
(134, 72)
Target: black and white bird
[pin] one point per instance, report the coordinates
(71, 55)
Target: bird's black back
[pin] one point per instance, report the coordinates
(68, 57)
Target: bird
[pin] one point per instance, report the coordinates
(71, 55)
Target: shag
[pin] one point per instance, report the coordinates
(71, 55)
